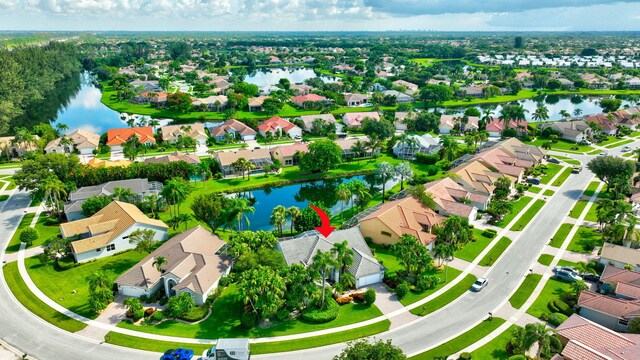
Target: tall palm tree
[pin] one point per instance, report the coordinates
(577, 112)
(248, 167)
(343, 193)
(241, 208)
(546, 339)
(240, 165)
(541, 113)
(153, 202)
(360, 191)
(158, 262)
(54, 193)
(578, 286)
(67, 143)
(154, 124)
(278, 217)
(359, 149)
(61, 128)
(293, 213)
(385, 172)
(322, 264)
(487, 114)
(124, 194)
(565, 114)
(343, 255)
(374, 143)
(450, 147)
(176, 191)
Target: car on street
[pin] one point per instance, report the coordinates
(604, 153)
(567, 276)
(576, 169)
(626, 149)
(168, 355)
(553, 160)
(177, 354)
(479, 284)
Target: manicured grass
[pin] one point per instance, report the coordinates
(563, 176)
(584, 240)
(495, 252)
(261, 348)
(552, 289)
(560, 235)
(14, 243)
(462, 341)
(591, 189)
(552, 170)
(545, 259)
(451, 273)
(527, 216)
(603, 194)
(567, 160)
(47, 228)
(516, 208)
(387, 259)
(496, 348)
(446, 298)
(534, 189)
(9, 179)
(225, 321)
(35, 305)
(471, 250)
(524, 291)
(562, 145)
(578, 208)
(4, 198)
(59, 285)
(592, 214)
(548, 193)
(621, 143)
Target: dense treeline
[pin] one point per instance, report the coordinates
(28, 75)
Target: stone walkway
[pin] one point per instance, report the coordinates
(112, 315)
(388, 303)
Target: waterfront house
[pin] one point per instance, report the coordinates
(173, 133)
(425, 144)
(258, 157)
(81, 141)
(353, 100)
(308, 120)
(117, 137)
(289, 155)
(235, 128)
(301, 101)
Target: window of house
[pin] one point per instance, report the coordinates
(98, 250)
(385, 233)
(425, 228)
(623, 322)
(111, 247)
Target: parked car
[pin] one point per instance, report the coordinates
(479, 284)
(168, 355)
(625, 149)
(585, 142)
(590, 277)
(565, 268)
(553, 160)
(567, 276)
(533, 180)
(604, 153)
(183, 354)
(576, 169)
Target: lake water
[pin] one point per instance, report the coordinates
(270, 76)
(554, 104)
(300, 195)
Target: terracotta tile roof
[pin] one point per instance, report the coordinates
(309, 97)
(577, 350)
(478, 176)
(614, 275)
(629, 290)
(355, 119)
(176, 156)
(120, 136)
(609, 305)
(449, 196)
(81, 139)
(105, 225)
(276, 122)
(497, 125)
(290, 150)
(172, 132)
(234, 125)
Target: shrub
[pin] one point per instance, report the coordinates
(370, 296)
(392, 282)
(344, 300)
(489, 233)
(225, 281)
(426, 159)
(319, 316)
(144, 299)
(148, 312)
(402, 290)
(137, 315)
(157, 316)
(465, 356)
(248, 320)
(29, 235)
(563, 307)
(358, 297)
(552, 307)
(425, 282)
(518, 357)
(66, 263)
(282, 314)
(556, 318)
(163, 301)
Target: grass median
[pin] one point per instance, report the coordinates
(446, 298)
(527, 216)
(496, 348)
(560, 235)
(495, 252)
(525, 290)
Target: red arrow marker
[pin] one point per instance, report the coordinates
(325, 229)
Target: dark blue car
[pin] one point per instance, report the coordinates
(177, 354)
(168, 355)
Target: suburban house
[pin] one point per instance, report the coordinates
(107, 231)
(308, 120)
(10, 148)
(117, 137)
(607, 125)
(400, 97)
(608, 311)
(517, 149)
(214, 102)
(287, 154)
(495, 127)
(100, 163)
(196, 261)
(302, 100)
(425, 144)
(575, 131)
(624, 283)
(502, 162)
(477, 177)
(277, 126)
(473, 91)
(352, 99)
(146, 85)
(401, 118)
(398, 217)
(235, 129)
(140, 187)
(220, 85)
(156, 98)
(176, 156)
(620, 256)
(584, 339)
(411, 87)
(449, 122)
(255, 103)
(347, 144)
(82, 141)
(355, 119)
(258, 157)
(301, 89)
(302, 248)
(452, 199)
(172, 133)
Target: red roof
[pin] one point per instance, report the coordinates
(308, 97)
(274, 123)
(497, 125)
(120, 136)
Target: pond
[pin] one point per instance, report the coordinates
(270, 76)
(300, 195)
(587, 105)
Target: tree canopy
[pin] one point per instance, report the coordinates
(323, 155)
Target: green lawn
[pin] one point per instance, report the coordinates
(462, 341)
(446, 298)
(524, 291)
(548, 193)
(495, 252)
(9, 179)
(563, 176)
(387, 258)
(592, 214)
(4, 198)
(552, 170)
(578, 208)
(561, 145)
(225, 321)
(516, 208)
(561, 235)
(35, 305)
(471, 250)
(527, 216)
(552, 289)
(496, 348)
(261, 348)
(567, 160)
(584, 240)
(14, 243)
(545, 259)
(621, 143)
(59, 285)
(591, 189)
(534, 189)
(451, 274)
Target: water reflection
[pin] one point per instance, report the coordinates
(270, 76)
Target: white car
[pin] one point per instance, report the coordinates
(479, 284)
(604, 153)
(625, 149)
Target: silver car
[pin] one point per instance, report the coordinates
(567, 276)
(479, 284)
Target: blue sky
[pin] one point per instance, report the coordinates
(320, 15)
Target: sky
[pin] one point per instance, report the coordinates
(320, 15)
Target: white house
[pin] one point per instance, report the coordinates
(107, 231)
(82, 141)
(172, 133)
(620, 256)
(196, 261)
(425, 144)
(279, 126)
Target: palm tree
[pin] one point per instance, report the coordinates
(411, 143)
(374, 144)
(158, 262)
(240, 165)
(278, 217)
(176, 192)
(546, 339)
(578, 286)
(577, 112)
(67, 143)
(343, 255)
(360, 191)
(293, 213)
(61, 128)
(154, 123)
(442, 252)
(323, 262)
(359, 149)
(241, 208)
(487, 114)
(385, 172)
(343, 193)
(248, 166)
(541, 113)
(450, 147)
(404, 172)
(175, 221)
(124, 194)
(565, 114)
(54, 192)
(152, 201)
